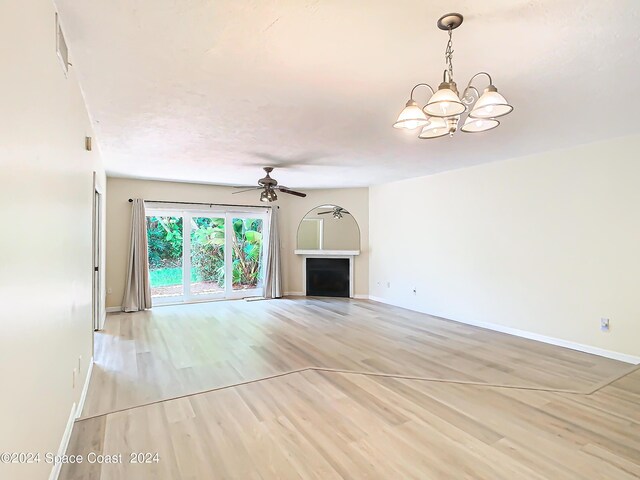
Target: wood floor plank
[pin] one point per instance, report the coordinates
(325, 425)
(335, 423)
(178, 350)
(87, 437)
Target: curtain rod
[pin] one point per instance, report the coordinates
(210, 204)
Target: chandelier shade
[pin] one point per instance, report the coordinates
(411, 117)
(476, 125)
(437, 127)
(491, 105)
(444, 103)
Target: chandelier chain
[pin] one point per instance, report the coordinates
(448, 55)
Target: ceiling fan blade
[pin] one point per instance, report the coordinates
(247, 186)
(246, 190)
(324, 213)
(291, 192)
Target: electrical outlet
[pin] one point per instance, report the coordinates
(604, 324)
(109, 291)
(388, 284)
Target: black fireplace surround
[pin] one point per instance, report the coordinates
(328, 277)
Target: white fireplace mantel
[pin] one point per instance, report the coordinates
(328, 253)
(350, 254)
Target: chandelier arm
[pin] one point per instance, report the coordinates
(477, 75)
(470, 87)
(421, 85)
(469, 99)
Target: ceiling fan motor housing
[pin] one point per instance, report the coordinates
(267, 181)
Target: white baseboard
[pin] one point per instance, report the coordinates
(623, 357)
(64, 443)
(85, 389)
(76, 411)
(113, 309)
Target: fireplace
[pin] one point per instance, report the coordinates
(328, 277)
(328, 273)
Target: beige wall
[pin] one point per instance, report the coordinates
(340, 233)
(546, 244)
(309, 232)
(292, 211)
(356, 201)
(337, 233)
(46, 181)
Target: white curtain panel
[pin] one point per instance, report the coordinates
(137, 293)
(273, 271)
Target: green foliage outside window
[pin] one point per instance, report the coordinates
(165, 243)
(207, 250)
(247, 248)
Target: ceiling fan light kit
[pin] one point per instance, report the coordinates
(268, 195)
(269, 186)
(441, 115)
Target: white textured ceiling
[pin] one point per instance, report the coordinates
(211, 90)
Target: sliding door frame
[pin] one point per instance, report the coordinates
(165, 212)
(215, 211)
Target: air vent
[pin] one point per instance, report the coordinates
(61, 47)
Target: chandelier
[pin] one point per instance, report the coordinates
(442, 113)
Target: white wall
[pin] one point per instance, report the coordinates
(548, 244)
(292, 211)
(45, 245)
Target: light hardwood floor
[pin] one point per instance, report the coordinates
(319, 423)
(328, 425)
(172, 351)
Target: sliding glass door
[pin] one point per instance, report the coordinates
(207, 270)
(165, 250)
(247, 254)
(196, 256)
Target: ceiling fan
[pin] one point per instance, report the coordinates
(269, 186)
(337, 212)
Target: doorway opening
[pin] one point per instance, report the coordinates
(97, 285)
(199, 255)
